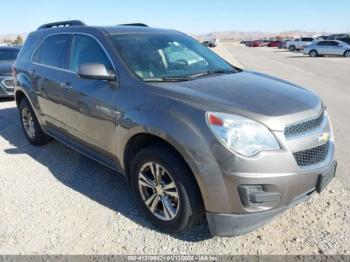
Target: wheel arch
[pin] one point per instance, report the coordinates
(142, 140)
(19, 95)
(312, 50)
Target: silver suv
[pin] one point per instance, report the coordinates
(299, 43)
(193, 135)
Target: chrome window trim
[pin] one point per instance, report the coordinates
(71, 33)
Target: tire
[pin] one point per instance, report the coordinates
(347, 53)
(30, 124)
(313, 53)
(183, 211)
(292, 48)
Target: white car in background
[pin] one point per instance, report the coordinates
(328, 47)
(299, 43)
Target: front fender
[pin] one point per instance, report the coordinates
(187, 132)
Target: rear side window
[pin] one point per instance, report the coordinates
(322, 43)
(29, 47)
(86, 50)
(53, 51)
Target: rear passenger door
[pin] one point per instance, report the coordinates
(89, 105)
(48, 75)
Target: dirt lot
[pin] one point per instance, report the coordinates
(55, 201)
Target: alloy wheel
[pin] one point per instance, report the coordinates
(158, 191)
(313, 53)
(28, 122)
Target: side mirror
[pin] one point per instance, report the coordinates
(95, 72)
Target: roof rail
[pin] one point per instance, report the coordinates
(135, 24)
(62, 24)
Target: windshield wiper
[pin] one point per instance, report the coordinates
(188, 77)
(213, 72)
(166, 79)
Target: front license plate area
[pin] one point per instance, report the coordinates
(325, 178)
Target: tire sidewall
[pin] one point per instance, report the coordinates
(38, 137)
(347, 53)
(313, 52)
(292, 48)
(152, 155)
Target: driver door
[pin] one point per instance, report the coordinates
(89, 105)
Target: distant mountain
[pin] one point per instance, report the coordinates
(253, 35)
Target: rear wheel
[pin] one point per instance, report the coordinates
(165, 190)
(313, 53)
(292, 48)
(347, 53)
(30, 124)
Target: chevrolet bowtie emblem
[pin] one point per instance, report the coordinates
(324, 137)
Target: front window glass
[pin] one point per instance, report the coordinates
(8, 55)
(159, 57)
(86, 50)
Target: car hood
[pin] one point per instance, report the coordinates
(5, 69)
(263, 98)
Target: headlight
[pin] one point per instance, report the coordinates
(240, 134)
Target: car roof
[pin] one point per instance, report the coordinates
(107, 30)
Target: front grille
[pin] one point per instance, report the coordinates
(312, 156)
(303, 127)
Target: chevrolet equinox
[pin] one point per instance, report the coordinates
(193, 135)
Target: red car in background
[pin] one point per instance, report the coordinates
(255, 44)
(275, 43)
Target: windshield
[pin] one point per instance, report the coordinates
(166, 57)
(8, 55)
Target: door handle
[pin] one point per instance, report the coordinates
(66, 85)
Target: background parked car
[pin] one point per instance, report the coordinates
(246, 43)
(328, 47)
(210, 43)
(255, 43)
(299, 43)
(283, 44)
(8, 56)
(275, 43)
(341, 37)
(265, 42)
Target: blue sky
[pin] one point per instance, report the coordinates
(191, 16)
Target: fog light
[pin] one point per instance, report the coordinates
(254, 195)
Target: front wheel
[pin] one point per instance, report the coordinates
(347, 53)
(165, 190)
(313, 53)
(292, 48)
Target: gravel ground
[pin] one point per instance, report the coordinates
(56, 201)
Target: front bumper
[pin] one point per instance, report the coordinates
(6, 87)
(237, 224)
(247, 192)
